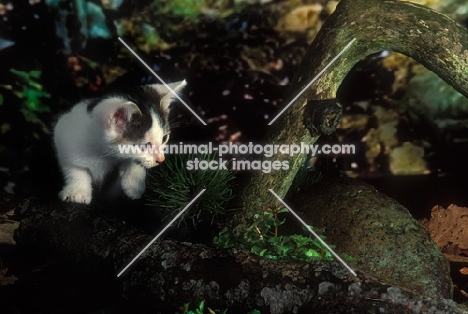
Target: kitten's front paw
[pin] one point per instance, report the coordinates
(133, 189)
(75, 194)
(133, 182)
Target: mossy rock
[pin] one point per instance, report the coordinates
(380, 233)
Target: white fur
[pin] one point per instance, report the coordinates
(87, 150)
(169, 96)
(79, 139)
(133, 180)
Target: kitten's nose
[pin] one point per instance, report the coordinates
(159, 158)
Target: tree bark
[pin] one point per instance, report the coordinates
(170, 274)
(429, 37)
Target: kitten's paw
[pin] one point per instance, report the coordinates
(75, 195)
(133, 189)
(133, 182)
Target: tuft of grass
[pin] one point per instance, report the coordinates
(173, 186)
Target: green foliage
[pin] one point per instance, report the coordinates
(95, 20)
(97, 27)
(27, 88)
(262, 238)
(187, 8)
(150, 35)
(30, 90)
(172, 187)
(201, 310)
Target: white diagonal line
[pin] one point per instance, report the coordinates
(161, 80)
(161, 232)
(313, 80)
(315, 235)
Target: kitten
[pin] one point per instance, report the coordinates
(87, 139)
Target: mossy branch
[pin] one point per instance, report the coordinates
(427, 36)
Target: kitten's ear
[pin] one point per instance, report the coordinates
(168, 96)
(120, 115)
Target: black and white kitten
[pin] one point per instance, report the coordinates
(88, 137)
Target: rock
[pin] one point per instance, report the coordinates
(380, 233)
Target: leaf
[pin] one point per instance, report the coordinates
(33, 97)
(21, 74)
(201, 307)
(35, 74)
(256, 249)
(447, 228)
(31, 91)
(312, 253)
(210, 311)
(284, 249)
(348, 258)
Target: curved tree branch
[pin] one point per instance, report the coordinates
(429, 37)
(170, 273)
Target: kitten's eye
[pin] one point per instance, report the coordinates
(165, 138)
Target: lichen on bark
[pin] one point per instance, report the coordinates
(427, 36)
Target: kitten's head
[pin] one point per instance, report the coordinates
(136, 121)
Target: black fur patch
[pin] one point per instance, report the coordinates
(147, 99)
